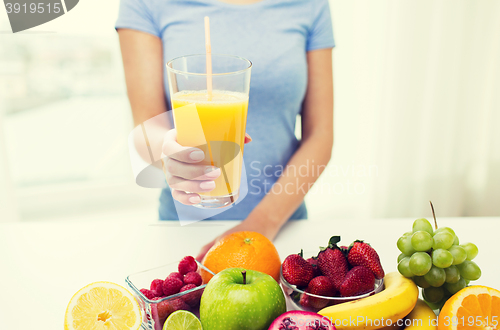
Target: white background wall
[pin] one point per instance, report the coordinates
(416, 109)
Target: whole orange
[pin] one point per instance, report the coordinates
(245, 249)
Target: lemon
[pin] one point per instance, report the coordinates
(103, 305)
(182, 320)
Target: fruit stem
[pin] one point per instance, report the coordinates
(244, 273)
(434, 215)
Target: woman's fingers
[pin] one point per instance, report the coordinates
(191, 171)
(174, 150)
(190, 185)
(186, 198)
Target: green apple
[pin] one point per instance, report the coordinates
(236, 298)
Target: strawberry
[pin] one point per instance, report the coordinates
(320, 286)
(333, 263)
(296, 270)
(362, 254)
(358, 280)
(314, 262)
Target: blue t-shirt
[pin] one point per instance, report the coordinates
(275, 35)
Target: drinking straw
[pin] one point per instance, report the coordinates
(208, 48)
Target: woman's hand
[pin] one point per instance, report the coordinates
(184, 173)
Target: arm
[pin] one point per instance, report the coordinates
(317, 142)
(142, 56)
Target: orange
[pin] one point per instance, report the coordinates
(245, 249)
(472, 308)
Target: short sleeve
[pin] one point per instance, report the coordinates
(321, 31)
(136, 15)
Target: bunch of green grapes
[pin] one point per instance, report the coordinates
(436, 261)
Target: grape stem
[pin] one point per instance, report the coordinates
(434, 215)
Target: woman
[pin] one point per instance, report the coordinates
(290, 44)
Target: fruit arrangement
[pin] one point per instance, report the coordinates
(186, 280)
(339, 283)
(335, 272)
(436, 261)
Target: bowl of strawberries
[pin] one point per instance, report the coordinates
(166, 289)
(336, 274)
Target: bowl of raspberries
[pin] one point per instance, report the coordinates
(336, 274)
(166, 289)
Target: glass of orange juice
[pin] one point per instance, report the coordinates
(212, 121)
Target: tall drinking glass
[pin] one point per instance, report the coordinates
(213, 122)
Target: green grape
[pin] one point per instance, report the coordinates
(422, 224)
(456, 241)
(401, 256)
(421, 282)
(467, 282)
(404, 245)
(433, 295)
(421, 241)
(469, 270)
(442, 258)
(455, 287)
(447, 229)
(436, 276)
(452, 274)
(420, 263)
(471, 250)
(436, 306)
(442, 240)
(404, 267)
(408, 233)
(459, 254)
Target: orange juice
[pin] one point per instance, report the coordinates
(218, 128)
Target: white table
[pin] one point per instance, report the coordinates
(44, 264)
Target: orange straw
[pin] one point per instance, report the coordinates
(208, 48)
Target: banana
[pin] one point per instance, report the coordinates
(393, 303)
(421, 317)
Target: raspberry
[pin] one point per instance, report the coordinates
(157, 285)
(192, 278)
(176, 275)
(171, 286)
(187, 264)
(192, 298)
(148, 293)
(178, 304)
(164, 308)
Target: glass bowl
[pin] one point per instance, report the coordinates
(155, 312)
(293, 296)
